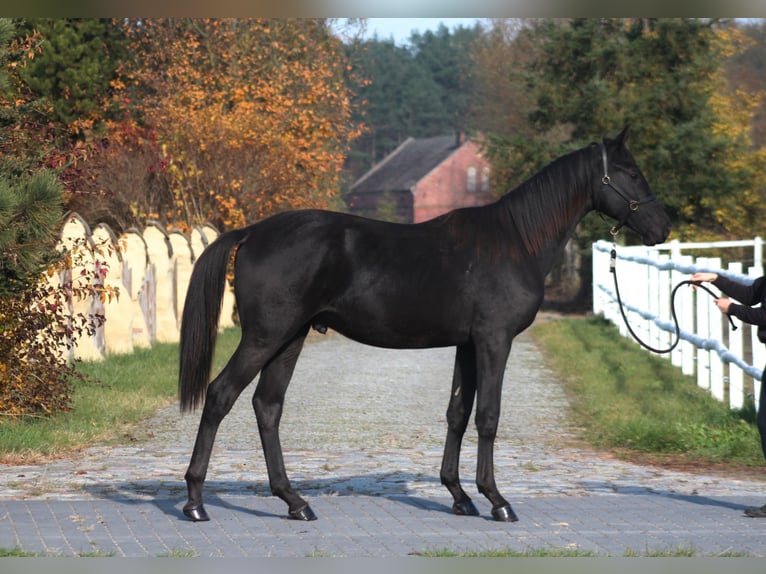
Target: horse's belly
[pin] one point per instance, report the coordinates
(392, 330)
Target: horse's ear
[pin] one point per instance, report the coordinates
(623, 136)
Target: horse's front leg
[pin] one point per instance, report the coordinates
(458, 415)
(490, 360)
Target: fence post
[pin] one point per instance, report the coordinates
(184, 262)
(675, 249)
(599, 299)
(633, 281)
(686, 320)
(736, 376)
(118, 336)
(703, 330)
(664, 288)
(759, 349)
(715, 333)
(161, 256)
(137, 264)
(653, 293)
(76, 237)
(644, 291)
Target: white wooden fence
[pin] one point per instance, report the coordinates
(724, 361)
(151, 269)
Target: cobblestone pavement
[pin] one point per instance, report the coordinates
(363, 431)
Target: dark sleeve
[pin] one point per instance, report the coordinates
(745, 294)
(748, 295)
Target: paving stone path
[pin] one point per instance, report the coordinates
(365, 427)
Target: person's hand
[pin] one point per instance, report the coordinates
(704, 277)
(723, 304)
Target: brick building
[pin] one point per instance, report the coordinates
(422, 179)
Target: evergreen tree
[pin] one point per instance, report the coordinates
(447, 58)
(665, 77)
(75, 68)
(423, 89)
(30, 211)
(35, 378)
(387, 71)
(30, 202)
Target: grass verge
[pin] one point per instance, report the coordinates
(680, 552)
(117, 394)
(629, 401)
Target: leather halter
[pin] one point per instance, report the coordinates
(633, 204)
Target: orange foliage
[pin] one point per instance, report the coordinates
(251, 116)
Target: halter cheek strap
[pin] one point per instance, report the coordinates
(633, 204)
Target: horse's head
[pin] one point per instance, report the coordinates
(623, 193)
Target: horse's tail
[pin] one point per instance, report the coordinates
(199, 322)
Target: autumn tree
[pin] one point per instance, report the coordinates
(747, 71)
(68, 79)
(501, 101)
(240, 118)
(30, 198)
(35, 375)
(691, 132)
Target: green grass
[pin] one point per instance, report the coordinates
(553, 552)
(628, 400)
(15, 553)
(508, 553)
(117, 393)
(19, 553)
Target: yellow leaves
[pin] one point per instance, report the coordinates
(733, 40)
(252, 112)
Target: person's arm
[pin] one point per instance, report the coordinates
(746, 294)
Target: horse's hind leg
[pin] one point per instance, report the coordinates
(268, 401)
(458, 415)
(221, 396)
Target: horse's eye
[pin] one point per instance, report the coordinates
(633, 175)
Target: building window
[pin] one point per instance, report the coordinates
(485, 179)
(471, 180)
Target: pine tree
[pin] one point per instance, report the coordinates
(30, 211)
(34, 376)
(74, 69)
(30, 202)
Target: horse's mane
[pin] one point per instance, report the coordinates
(549, 200)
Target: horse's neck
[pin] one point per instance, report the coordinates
(551, 253)
(546, 222)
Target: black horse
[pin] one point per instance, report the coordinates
(472, 279)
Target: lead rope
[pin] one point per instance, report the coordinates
(613, 271)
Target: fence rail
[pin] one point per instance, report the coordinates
(725, 361)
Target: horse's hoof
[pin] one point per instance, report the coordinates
(465, 508)
(504, 514)
(305, 514)
(196, 513)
